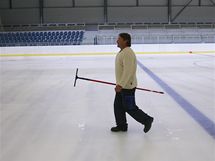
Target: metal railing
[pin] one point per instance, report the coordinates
(157, 39)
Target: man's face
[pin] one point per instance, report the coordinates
(121, 42)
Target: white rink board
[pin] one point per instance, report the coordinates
(107, 49)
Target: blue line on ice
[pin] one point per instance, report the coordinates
(193, 111)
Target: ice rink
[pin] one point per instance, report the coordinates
(44, 118)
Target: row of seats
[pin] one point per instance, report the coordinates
(41, 38)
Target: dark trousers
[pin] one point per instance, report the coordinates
(125, 102)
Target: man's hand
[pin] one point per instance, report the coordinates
(118, 88)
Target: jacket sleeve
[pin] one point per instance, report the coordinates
(128, 66)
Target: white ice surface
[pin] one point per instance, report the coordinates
(44, 118)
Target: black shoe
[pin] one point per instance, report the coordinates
(118, 129)
(148, 124)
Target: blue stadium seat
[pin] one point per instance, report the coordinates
(41, 38)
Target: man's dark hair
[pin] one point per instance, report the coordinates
(127, 37)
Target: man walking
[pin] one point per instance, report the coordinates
(126, 82)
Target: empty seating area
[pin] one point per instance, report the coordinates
(158, 36)
(41, 38)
